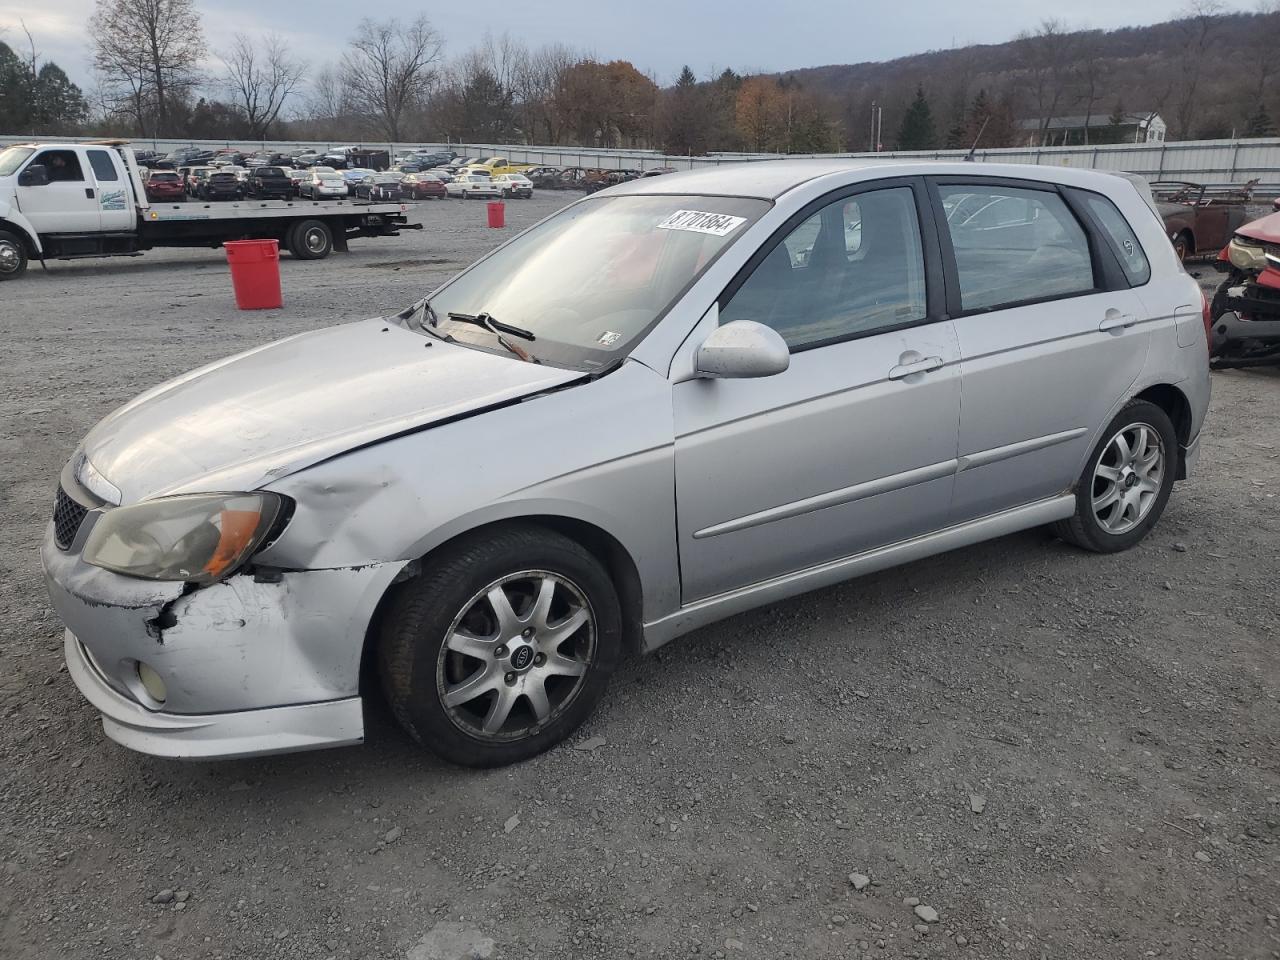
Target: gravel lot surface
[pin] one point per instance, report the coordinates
(1013, 750)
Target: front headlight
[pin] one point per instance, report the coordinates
(1246, 255)
(199, 538)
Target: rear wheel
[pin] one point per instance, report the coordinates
(1126, 482)
(502, 648)
(13, 255)
(311, 240)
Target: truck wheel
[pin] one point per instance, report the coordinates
(311, 240)
(13, 256)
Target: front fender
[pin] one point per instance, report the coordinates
(11, 217)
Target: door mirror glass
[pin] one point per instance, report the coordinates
(34, 176)
(743, 349)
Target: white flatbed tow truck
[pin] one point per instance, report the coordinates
(65, 201)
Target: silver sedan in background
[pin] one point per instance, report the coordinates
(670, 402)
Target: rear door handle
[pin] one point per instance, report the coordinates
(904, 370)
(88, 192)
(1115, 320)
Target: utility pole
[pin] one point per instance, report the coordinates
(877, 122)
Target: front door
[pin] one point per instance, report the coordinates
(854, 445)
(1051, 337)
(68, 203)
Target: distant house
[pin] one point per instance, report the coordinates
(1099, 128)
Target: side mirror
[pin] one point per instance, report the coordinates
(743, 349)
(35, 175)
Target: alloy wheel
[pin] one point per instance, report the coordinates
(1128, 477)
(516, 655)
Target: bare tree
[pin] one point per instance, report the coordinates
(537, 84)
(261, 78)
(389, 68)
(1198, 29)
(1047, 56)
(148, 51)
(1094, 74)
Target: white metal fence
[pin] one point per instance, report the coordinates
(1204, 161)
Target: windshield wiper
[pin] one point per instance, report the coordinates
(423, 317)
(498, 328)
(494, 326)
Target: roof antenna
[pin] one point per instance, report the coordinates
(968, 157)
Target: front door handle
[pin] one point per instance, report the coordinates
(88, 192)
(1115, 320)
(904, 370)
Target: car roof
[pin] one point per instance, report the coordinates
(770, 179)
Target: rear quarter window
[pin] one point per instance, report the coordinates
(1133, 259)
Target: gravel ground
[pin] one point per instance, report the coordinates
(1013, 750)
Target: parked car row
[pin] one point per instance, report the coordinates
(319, 182)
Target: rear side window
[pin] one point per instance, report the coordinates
(1014, 245)
(1121, 236)
(103, 168)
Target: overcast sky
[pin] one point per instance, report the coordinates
(656, 35)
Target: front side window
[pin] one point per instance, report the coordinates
(855, 267)
(592, 280)
(1133, 260)
(1014, 245)
(63, 166)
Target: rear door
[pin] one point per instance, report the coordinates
(115, 206)
(1051, 336)
(68, 203)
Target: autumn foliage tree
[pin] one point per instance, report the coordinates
(607, 104)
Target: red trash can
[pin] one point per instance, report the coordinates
(497, 213)
(255, 273)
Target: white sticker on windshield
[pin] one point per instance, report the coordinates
(608, 338)
(698, 221)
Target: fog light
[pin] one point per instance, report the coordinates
(151, 682)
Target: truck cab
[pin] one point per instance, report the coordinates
(66, 189)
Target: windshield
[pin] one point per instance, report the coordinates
(592, 280)
(12, 158)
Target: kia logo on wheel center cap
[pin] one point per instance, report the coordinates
(521, 657)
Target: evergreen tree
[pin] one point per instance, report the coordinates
(917, 131)
(1259, 123)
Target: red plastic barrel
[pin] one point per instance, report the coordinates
(255, 273)
(497, 213)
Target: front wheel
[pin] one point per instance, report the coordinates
(1126, 482)
(13, 255)
(502, 647)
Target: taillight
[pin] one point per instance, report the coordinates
(1208, 321)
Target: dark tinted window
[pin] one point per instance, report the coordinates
(1013, 245)
(103, 168)
(854, 267)
(1123, 240)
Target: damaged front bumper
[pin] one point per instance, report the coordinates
(249, 665)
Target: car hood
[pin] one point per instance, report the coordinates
(240, 423)
(1267, 229)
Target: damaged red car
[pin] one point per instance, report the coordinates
(1246, 308)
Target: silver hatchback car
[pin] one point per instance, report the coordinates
(669, 402)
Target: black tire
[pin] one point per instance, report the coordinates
(1183, 246)
(311, 240)
(413, 661)
(1084, 529)
(13, 256)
